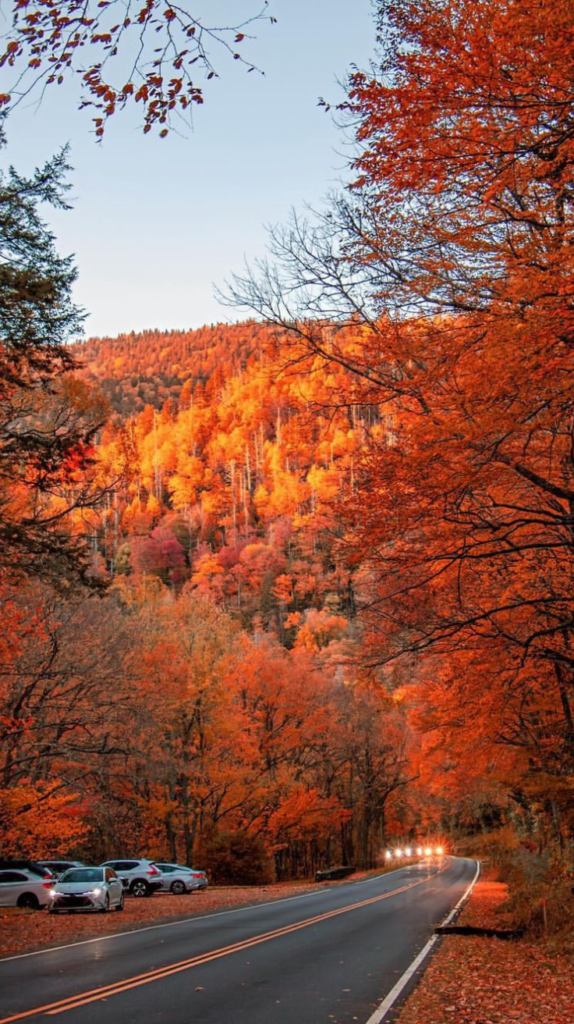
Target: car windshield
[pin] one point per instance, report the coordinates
(83, 875)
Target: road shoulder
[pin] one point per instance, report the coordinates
(30, 931)
(478, 978)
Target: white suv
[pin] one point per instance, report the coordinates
(139, 877)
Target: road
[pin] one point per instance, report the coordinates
(326, 957)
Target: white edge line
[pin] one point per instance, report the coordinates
(383, 1008)
(173, 924)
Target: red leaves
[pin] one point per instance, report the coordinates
(55, 31)
(474, 979)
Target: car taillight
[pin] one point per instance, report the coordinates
(152, 871)
(197, 874)
(47, 885)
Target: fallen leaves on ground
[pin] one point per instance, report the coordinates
(478, 980)
(23, 931)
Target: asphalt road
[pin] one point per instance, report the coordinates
(327, 957)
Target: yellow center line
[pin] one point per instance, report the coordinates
(115, 988)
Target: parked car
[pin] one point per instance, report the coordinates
(179, 879)
(13, 864)
(20, 887)
(87, 888)
(139, 877)
(57, 867)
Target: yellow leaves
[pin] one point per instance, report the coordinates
(324, 483)
(153, 507)
(207, 566)
(320, 628)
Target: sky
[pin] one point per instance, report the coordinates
(156, 224)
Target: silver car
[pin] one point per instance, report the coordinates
(87, 889)
(179, 879)
(20, 887)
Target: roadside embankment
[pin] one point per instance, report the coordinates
(475, 979)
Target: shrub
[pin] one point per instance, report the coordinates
(238, 858)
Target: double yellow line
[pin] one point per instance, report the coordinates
(105, 991)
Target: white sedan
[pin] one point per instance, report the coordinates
(22, 888)
(179, 879)
(87, 889)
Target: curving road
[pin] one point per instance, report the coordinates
(327, 957)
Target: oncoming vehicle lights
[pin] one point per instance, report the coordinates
(400, 852)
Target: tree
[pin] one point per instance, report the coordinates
(65, 714)
(158, 47)
(48, 419)
(444, 281)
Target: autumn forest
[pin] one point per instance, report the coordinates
(281, 592)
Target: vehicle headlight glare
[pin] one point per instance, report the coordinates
(389, 854)
(95, 892)
(408, 852)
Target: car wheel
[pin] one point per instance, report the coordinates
(177, 887)
(106, 906)
(140, 888)
(28, 901)
(120, 905)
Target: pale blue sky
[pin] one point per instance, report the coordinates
(156, 223)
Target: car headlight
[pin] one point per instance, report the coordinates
(94, 892)
(53, 893)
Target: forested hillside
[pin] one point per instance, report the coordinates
(135, 370)
(214, 689)
(232, 477)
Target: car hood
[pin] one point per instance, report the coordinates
(75, 887)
